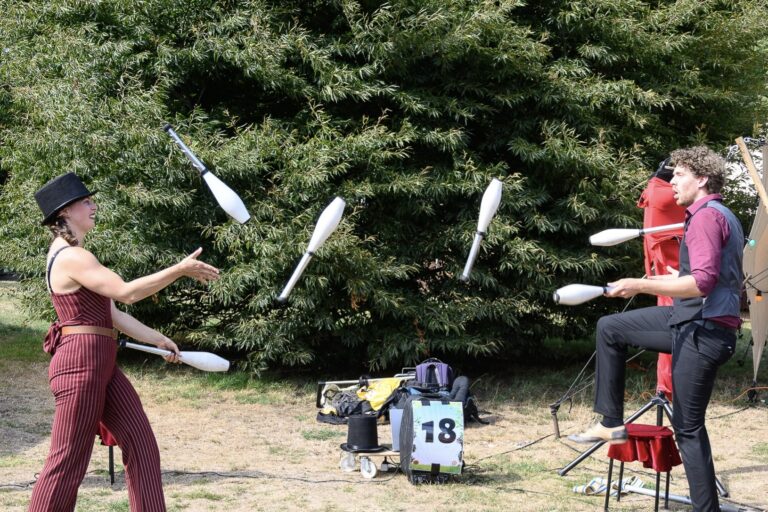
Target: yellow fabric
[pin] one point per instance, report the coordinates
(378, 391)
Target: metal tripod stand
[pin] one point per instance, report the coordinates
(662, 407)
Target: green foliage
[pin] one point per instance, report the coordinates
(405, 109)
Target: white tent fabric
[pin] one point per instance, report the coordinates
(756, 274)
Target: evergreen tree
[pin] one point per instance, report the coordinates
(406, 109)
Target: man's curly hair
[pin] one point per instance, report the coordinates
(703, 162)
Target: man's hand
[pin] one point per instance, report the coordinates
(625, 288)
(673, 273)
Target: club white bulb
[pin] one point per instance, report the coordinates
(575, 294)
(488, 207)
(229, 201)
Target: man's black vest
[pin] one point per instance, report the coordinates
(725, 298)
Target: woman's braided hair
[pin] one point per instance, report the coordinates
(59, 227)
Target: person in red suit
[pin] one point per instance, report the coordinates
(88, 387)
(661, 250)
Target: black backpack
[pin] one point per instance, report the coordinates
(471, 412)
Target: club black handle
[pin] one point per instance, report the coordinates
(200, 166)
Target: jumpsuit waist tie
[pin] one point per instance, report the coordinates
(57, 330)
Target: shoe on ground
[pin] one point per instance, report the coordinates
(598, 433)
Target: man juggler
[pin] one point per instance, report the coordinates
(699, 329)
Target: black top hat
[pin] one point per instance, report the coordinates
(58, 193)
(362, 435)
(665, 170)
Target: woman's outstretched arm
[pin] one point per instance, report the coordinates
(82, 267)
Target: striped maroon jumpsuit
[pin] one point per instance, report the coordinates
(89, 388)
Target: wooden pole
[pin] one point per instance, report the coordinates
(753, 172)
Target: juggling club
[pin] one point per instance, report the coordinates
(326, 224)
(201, 360)
(488, 206)
(574, 294)
(229, 201)
(616, 236)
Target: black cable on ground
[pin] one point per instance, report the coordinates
(268, 476)
(526, 445)
(234, 475)
(23, 485)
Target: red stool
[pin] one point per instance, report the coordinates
(652, 445)
(108, 440)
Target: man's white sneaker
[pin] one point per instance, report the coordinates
(597, 433)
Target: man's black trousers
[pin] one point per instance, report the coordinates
(697, 352)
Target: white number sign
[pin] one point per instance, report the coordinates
(438, 430)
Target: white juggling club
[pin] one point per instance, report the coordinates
(229, 201)
(488, 207)
(201, 360)
(326, 224)
(616, 236)
(574, 294)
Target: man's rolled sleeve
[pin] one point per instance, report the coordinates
(706, 236)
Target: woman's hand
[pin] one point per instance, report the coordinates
(196, 269)
(168, 344)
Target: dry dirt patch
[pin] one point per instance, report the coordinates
(236, 451)
(248, 450)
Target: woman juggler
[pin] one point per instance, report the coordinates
(87, 385)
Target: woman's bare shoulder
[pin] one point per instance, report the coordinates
(72, 255)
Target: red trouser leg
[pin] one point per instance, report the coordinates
(78, 374)
(125, 418)
(664, 361)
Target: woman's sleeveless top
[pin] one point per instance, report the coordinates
(81, 307)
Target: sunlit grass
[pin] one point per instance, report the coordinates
(761, 451)
(102, 503)
(11, 461)
(202, 494)
(323, 434)
(21, 339)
